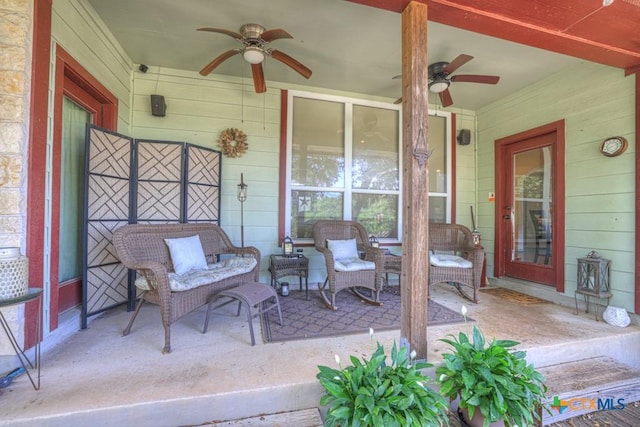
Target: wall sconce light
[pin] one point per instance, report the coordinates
(242, 196)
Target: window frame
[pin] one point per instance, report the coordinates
(287, 153)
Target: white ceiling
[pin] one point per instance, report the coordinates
(348, 46)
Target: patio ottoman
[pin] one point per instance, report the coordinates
(252, 295)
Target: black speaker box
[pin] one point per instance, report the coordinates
(464, 137)
(158, 107)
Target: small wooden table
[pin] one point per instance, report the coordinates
(281, 266)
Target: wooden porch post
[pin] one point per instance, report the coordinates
(415, 189)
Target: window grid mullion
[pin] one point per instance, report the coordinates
(348, 159)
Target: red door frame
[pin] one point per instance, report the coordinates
(38, 131)
(37, 162)
(72, 80)
(558, 197)
(69, 293)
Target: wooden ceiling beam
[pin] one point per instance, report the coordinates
(593, 33)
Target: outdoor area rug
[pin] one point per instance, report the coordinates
(312, 319)
(513, 296)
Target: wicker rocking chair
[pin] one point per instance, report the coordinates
(365, 273)
(456, 239)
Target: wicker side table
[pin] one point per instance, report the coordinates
(281, 266)
(392, 265)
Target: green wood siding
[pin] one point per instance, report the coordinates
(596, 102)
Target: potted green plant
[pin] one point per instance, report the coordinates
(374, 393)
(493, 382)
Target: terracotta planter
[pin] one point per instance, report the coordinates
(478, 419)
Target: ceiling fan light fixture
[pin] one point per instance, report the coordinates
(253, 55)
(438, 86)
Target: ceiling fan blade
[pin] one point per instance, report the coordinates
(475, 78)
(218, 60)
(457, 63)
(230, 33)
(445, 98)
(258, 78)
(398, 101)
(287, 60)
(275, 34)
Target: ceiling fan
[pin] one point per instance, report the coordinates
(255, 39)
(440, 78)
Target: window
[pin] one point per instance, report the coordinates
(344, 162)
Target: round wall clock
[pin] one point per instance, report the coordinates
(613, 146)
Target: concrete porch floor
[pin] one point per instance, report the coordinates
(98, 377)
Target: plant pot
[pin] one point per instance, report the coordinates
(477, 420)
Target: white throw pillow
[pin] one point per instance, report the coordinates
(186, 254)
(343, 249)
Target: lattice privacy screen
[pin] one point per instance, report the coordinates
(138, 181)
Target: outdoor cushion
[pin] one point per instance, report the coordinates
(444, 260)
(340, 249)
(353, 264)
(186, 254)
(213, 273)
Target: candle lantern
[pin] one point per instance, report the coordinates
(593, 279)
(287, 247)
(242, 197)
(373, 241)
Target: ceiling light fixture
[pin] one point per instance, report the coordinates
(606, 3)
(439, 86)
(253, 55)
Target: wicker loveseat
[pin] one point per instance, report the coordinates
(142, 247)
(457, 240)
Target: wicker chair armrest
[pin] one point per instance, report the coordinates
(375, 255)
(329, 261)
(247, 250)
(475, 254)
(154, 272)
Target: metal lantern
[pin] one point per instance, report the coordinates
(593, 279)
(242, 197)
(475, 234)
(287, 247)
(373, 241)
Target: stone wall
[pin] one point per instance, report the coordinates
(16, 30)
(16, 17)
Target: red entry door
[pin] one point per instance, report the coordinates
(530, 207)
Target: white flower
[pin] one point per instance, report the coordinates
(337, 378)
(443, 377)
(463, 310)
(413, 354)
(337, 359)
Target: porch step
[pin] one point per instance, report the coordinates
(302, 418)
(588, 385)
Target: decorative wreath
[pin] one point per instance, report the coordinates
(233, 142)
